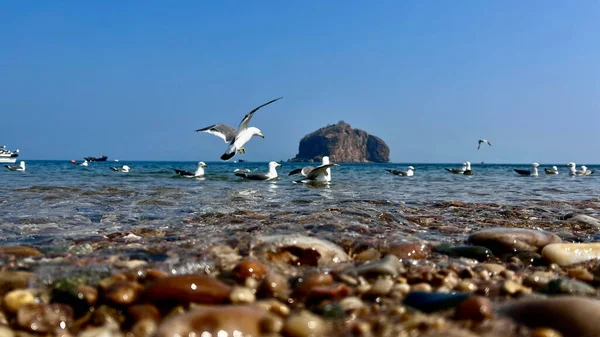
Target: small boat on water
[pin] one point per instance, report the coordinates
(90, 159)
(7, 156)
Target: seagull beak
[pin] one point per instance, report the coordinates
(261, 135)
(278, 164)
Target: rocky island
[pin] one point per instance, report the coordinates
(342, 143)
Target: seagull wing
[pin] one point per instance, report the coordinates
(314, 173)
(183, 173)
(253, 176)
(396, 172)
(246, 120)
(303, 171)
(523, 172)
(225, 132)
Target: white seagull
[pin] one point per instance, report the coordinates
(236, 138)
(533, 172)
(272, 174)
(408, 173)
(321, 173)
(458, 170)
(483, 141)
(19, 168)
(123, 169)
(198, 173)
(553, 170)
(585, 171)
(83, 163)
(468, 171)
(573, 169)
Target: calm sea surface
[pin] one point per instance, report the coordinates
(55, 200)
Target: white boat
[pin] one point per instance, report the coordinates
(7, 156)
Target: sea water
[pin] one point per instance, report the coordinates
(56, 202)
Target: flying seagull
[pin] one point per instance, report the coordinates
(236, 138)
(533, 172)
(199, 171)
(553, 170)
(408, 173)
(320, 173)
(19, 168)
(458, 170)
(272, 174)
(483, 141)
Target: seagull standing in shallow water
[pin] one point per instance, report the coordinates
(19, 168)
(123, 169)
(408, 173)
(236, 138)
(585, 171)
(458, 170)
(468, 171)
(320, 173)
(485, 141)
(553, 170)
(533, 172)
(199, 171)
(272, 174)
(573, 169)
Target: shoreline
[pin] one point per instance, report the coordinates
(363, 268)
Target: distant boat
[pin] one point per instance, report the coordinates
(7, 156)
(103, 158)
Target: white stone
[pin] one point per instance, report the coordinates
(565, 254)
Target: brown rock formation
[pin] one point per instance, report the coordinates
(342, 143)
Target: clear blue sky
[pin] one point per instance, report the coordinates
(134, 79)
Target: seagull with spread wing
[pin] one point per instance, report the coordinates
(485, 141)
(321, 173)
(236, 138)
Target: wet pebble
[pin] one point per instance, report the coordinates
(187, 288)
(226, 320)
(19, 251)
(250, 268)
(123, 293)
(388, 265)
(585, 220)
(505, 239)
(478, 253)
(581, 274)
(6, 331)
(299, 250)
(431, 302)
(565, 254)
(140, 312)
(16, 298)
(10, 280)
(274, 285)
(567, 286)
(571, 316)
(538, 279)
(305, 324)
(475, 308)
(241, 295)
(43, 318)
(409, 250)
